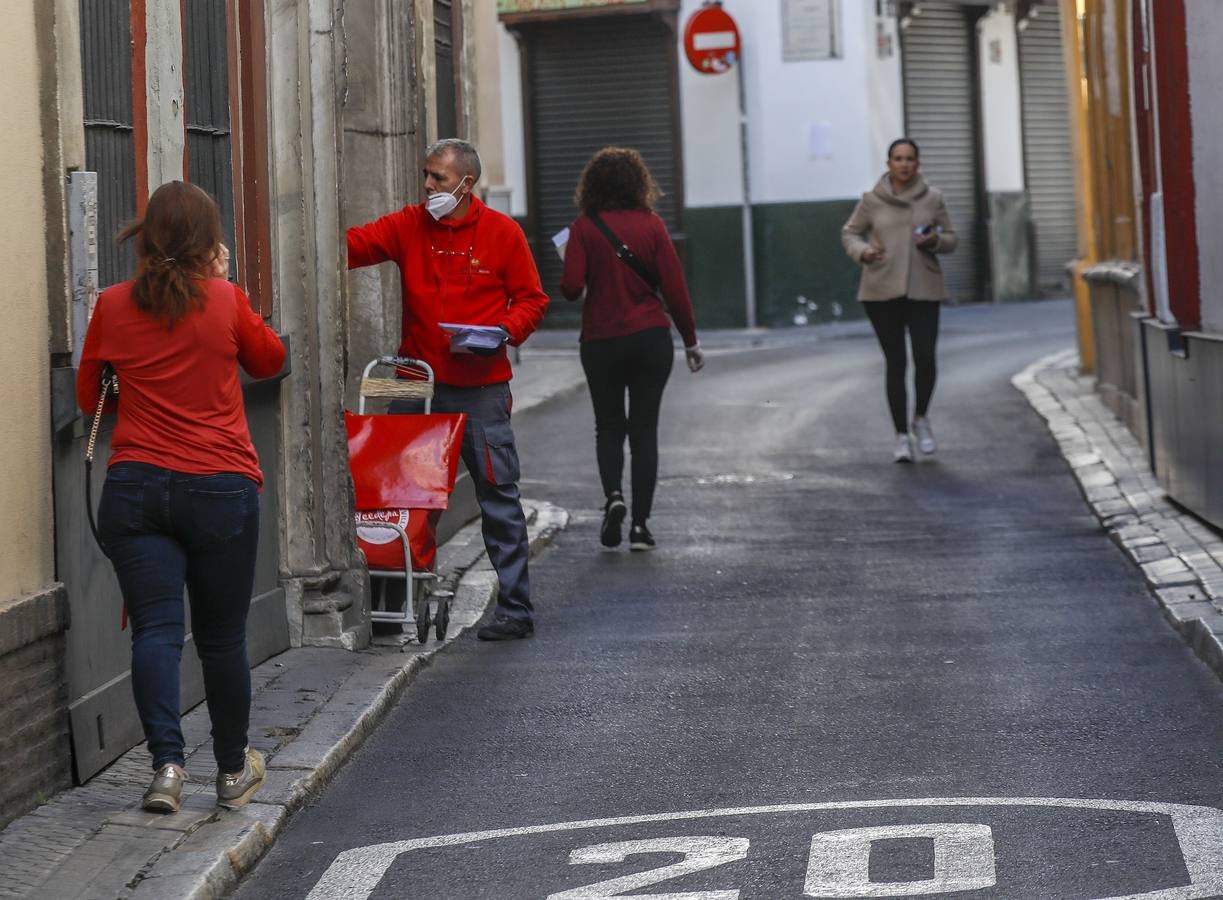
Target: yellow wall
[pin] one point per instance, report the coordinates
(1083, 179)
(26, 560)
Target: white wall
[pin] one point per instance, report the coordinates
(512, 125)
(885, 87)
(1204, 26)
(819, 130)
(1001, 122)
(810, 122)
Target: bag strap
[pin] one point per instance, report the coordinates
(108, 381)
(622, 250)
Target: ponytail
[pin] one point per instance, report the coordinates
(176, 241)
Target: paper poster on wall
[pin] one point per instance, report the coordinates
(810, 29)
(819, 140)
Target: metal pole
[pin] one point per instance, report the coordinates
(749, 254)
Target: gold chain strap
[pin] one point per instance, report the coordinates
(97, 418)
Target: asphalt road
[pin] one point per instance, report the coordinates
(875, 679)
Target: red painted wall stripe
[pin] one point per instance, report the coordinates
(1144, 120)
(140, 113)
(1176, 162)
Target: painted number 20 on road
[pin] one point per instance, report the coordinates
(839, 864)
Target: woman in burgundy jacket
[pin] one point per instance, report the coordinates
(626, 332)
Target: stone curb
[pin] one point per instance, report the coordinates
(1180, 557)
(116, 850)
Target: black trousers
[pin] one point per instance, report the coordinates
(637, 364)
(891, 319)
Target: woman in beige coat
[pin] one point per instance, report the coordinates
(895, 234)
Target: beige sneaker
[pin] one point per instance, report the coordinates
(165, 794)
(235, 790)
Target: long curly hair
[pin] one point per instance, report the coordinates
(616, 178)
(176, 242)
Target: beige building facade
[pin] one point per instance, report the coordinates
(33, 614)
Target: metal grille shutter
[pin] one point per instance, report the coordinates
(940, 115)
(106, 71)
(596, 83)
(1048, 153)
(206, 98)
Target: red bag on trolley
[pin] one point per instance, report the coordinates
(403, 470)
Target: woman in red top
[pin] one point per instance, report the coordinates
(626, 332)
(180, 506)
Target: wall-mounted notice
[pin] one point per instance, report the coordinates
(810, 29)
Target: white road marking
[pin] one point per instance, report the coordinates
(355, 873)
(700, 853)
(840, 861)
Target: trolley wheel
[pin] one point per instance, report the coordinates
(442, 622)
(422, 622)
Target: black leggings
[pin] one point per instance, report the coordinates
(639, 363)
(890, 318)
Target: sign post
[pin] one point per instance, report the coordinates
(712, 46)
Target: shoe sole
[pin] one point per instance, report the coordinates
(242, 799)
(903, 459)
(638, 548)
(161, 803)
(609, 534)
(245, 797)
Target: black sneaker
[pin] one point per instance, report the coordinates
(639, 538)
(613, 517)
(505, 629)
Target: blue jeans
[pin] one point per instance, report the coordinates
(164, 531)
(492, 460)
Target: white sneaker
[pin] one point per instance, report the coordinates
(904, 449)
(924, 434)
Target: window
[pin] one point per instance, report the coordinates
(225, 137)
(110, 140)
(206, 104)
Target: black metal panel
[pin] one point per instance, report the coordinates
(206, 82)
(596, 83)
(106, 72)
(443, 45)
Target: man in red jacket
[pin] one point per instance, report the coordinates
(461, 262)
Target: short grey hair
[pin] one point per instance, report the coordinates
(465, 155)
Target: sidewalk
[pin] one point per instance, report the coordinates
(1180, 557)
(311, 708)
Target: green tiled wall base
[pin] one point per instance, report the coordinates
(802, 274)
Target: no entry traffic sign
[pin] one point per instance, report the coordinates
(711, 40)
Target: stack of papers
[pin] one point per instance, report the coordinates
(464, 338)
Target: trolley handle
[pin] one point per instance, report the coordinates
(402, 361)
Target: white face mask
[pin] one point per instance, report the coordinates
(442, 204)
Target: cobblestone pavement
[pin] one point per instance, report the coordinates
(311, 708)
(1180, 556)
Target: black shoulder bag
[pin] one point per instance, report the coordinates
(622, 251)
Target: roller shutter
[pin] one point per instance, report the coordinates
(593, 83)
(1048, 153)
(940, 114)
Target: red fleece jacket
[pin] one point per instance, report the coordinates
(180, 400)
(474, 271)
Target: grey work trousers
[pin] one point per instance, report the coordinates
(492, 460)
